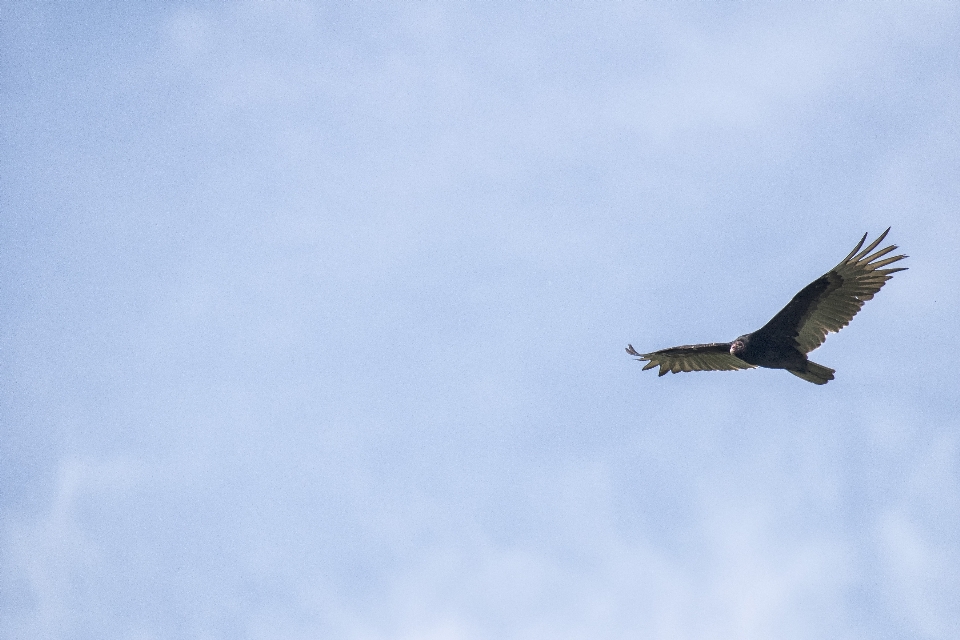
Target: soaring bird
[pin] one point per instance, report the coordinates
(825, 305)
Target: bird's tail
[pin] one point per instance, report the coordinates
(813, 372)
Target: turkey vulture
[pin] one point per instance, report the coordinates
(825, 305)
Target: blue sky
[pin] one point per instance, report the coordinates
(312, 320)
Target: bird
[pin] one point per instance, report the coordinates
(824, 306)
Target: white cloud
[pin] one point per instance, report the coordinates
(54, 555)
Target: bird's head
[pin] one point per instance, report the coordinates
(739, 345)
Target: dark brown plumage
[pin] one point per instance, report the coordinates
(825, 305)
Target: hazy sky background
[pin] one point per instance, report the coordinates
(312, 320)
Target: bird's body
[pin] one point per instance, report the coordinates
(825, 305)
(760, 350)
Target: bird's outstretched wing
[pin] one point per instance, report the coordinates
(829, 303)
(692, 357)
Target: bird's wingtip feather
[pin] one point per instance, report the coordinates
(856, 248)
(873, 245)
